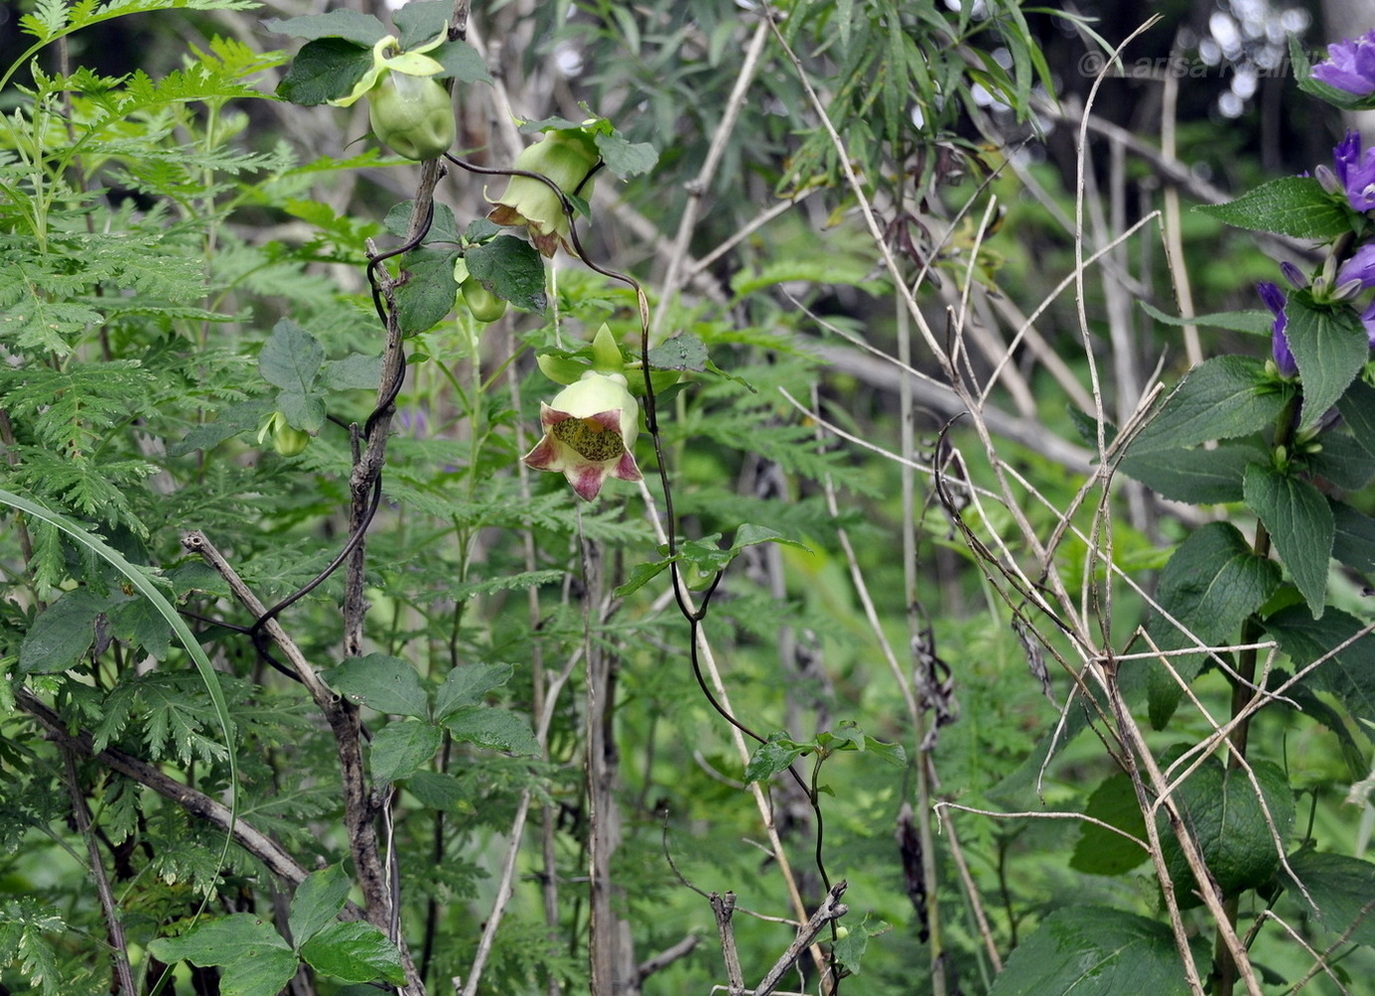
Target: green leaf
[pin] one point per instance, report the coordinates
(1342, 887)
(849, 950)
(291, 360)
(1354, 542)
(400, 748)
(354, 952)
(626, 159)
(318, 900)
(1330, 347)
(1221, 398)
(460, 61)
(641, 575)
(324, 70)
(493, 729)
(468, 685)
(682, 352)
(252, 957)
(1289, 205)
(436, 791)
(361, 29)
(1348, 674)
(1300, 523)
(420, 21)
(511, 269)
(750, 534)
(1196, 476)
(62, 633)
(1253, 322)
(1221, 810)
(1357, 407)
(353, 372)
(387, 684)
(773, 756)
(443, 224)
(1099, 850)
(1211, 583)
(427, 295)
(1094, 951)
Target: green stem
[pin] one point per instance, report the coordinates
(1251, 632)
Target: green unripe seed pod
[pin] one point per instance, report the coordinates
(288, 441)
(412, 115)
(482, 303)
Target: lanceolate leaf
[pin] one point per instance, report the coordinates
(1197, 476)
(1221, 398)
(1329, 345)
(1094, 951)
(1349, 673)
(1300, 524)
(1290, 205)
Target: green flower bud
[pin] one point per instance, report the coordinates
(412, 115)
(567, 157)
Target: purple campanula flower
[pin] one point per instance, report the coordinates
(1360, 267)
(1350, 65)
(1279, 342)
(1356, 171)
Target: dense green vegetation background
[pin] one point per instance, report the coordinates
(520, 743)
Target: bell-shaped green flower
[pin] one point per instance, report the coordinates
(567, 156)
(412, 115)
(589, 434)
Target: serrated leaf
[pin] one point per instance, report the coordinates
(1342, 887)
(427, 295)
(318, 900)
(1330, 347)
(1221, 810)
(361, 29)
(751, 534)
(291, 358)
(1094, 951)
(325, 69)
(1099, 850)
(468, 685)
(1197, 476)
(492, 728)
(510, 269)
(682, 352)
(62, 633)
(626, 159)
(421, 21)
(1252, 322)
(461, 62)
(1348, 674)
(1299, 521)
(436, 791)
(252, 957)
(1354, 542)
(773, 756)
(229, 422)
(400, 748)
(354, 952)
(443, 224)
(1289, 205)
(387, 684)
(1357, 406)
(1221, 398)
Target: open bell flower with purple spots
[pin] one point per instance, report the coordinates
(1356, 171)
(589, 433)
(1279, 342)
(1350, 65)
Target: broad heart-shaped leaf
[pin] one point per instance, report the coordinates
(625, 159)
(1210, 585)
(1196, 476)
(1330, 347)
(510, 269)
(354, 952)
(318, 900)
(773, 756)
(252, 957)
(353, 372)
(1222, 812)
(324, 70)
(460, 61)
(427, 294)
(1342, 887)
(443, 224)
(1100, 851)
(400, 748)
(387, 684)
(1348, 674)
(1357, 406)
(468, 685)
(682, 352)
(62, 633)
(291, 360)
(492, 728)
(1300, 523)
(1221, 398)
(1289, 205)
(361, 29)
(1094, 951)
